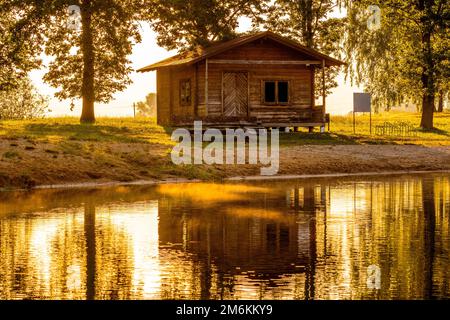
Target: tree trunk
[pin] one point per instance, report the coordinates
(428, 81)
(306, 7)
(427, 111)
(441, 102)
(87, 48)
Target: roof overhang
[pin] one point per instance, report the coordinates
(192, 57)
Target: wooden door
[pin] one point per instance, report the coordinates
(235, 94)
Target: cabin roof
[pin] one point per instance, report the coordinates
(199, 54)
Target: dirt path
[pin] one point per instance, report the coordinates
(25, 164)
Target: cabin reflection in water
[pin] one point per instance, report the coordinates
(263, 238)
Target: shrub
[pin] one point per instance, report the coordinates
(22, 102)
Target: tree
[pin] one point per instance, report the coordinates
(440, 106)
(147, 108)
(406, 58)
(15, 61)
(89, 62)
(186, 24)
(308, 22)
(443, 82)
(22, 102)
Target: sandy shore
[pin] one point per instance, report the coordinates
(106, 164)
(87, 185)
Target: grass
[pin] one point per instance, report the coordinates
(10, 154)
(67, 131)
(342, 131)
(438, 136)
(57, 130)
(61, 150)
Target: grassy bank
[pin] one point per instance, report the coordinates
(60, 150)
(145, 130)
(341, 130)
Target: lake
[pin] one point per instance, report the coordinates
(348, 238)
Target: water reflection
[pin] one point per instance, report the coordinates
(278, 240)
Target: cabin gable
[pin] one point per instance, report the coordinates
(263, 49)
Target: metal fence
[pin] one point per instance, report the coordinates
(399, 129)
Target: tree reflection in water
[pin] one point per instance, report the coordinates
(281, 240)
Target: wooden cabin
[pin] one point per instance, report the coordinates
(262, 80)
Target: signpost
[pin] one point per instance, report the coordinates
(361, 103)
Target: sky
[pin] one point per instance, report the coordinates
(147, 52)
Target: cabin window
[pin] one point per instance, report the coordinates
(270, 92)
(185, 92)
(283, 92)
(276, 92)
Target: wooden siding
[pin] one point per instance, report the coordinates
(263, 49)
(169, 106)
(178, 109)
(300, 77)
(163, 90)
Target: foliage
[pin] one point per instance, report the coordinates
(406, 58)
(15, 60)
(147, 108)
(186, 24)
(308, 22)
(22, 102)
(88, 62)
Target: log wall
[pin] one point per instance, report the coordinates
(301, 86)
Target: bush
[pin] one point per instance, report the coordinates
(147, 108)
(22, 102)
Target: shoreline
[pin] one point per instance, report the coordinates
(51, 164)
(84, 185)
